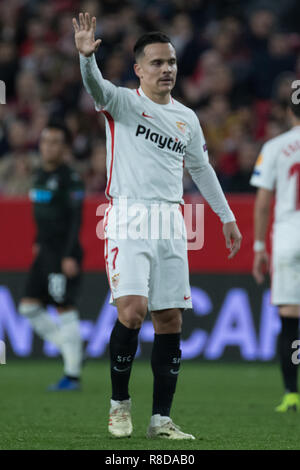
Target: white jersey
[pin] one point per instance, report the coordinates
(278, 168)
(148, 144)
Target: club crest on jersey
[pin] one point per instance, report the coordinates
(52, 183)
(115, 280)
(161, 141)
(181, 126)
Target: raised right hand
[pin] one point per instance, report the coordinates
(85, 35)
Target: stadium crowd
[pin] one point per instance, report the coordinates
(236, 62)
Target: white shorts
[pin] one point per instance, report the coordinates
(285, 286)
(147, 266)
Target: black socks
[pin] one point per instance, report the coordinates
(123, 345)
(165, 362)
(289, 333)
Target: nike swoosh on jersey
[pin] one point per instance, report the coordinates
(121, 370)
(147, 115)
(187, 298)
(174, 372)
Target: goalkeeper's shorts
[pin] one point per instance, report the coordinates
(47, 283)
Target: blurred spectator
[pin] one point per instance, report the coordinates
(236, 63)
(246, 156)
(95, 176)
(198, 86)
(225, 129)
(17, 165)
(8, 66)
(269, 64)
(273, 129)
(181, 32)
(261, 24)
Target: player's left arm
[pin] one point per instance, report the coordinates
(75, 197)
(262, 209)
(205, 178)
(264, 178)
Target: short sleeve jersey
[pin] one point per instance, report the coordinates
(148, 144)
(278, 168)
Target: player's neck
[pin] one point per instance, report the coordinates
(157, 98)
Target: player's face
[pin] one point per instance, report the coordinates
(52, 146)
(157, 68)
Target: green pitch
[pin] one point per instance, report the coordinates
(226, 406)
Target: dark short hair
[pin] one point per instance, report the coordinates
(60, 125)
(149, 38)
(294, 107)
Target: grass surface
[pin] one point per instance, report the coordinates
(226, 406)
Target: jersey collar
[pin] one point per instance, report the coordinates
(141, 93)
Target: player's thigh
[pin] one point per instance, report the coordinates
(132, 310)
(127, 267)
(169, 287)
(72, 292)
(36, 282)
(167, 321)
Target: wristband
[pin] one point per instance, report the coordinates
(259, 246)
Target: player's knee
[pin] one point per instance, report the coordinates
(131, 318)
(29, 309)
(292, 311)
(132, 311)
(175, 322)
(169, 321)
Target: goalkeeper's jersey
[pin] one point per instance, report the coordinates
(57, 198)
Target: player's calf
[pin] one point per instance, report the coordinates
(40, 320)
(71, 343)
(123, 345)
